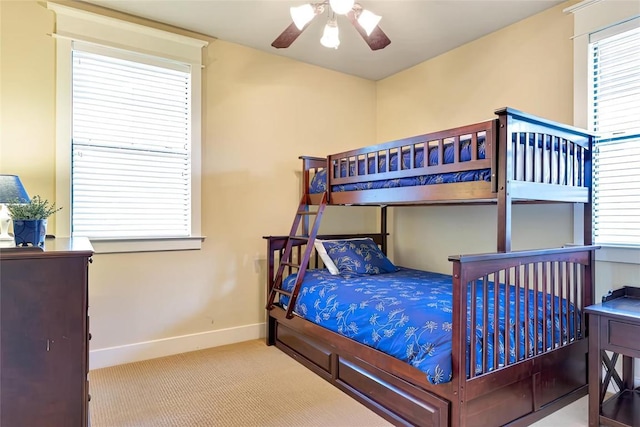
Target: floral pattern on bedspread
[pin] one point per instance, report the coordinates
(408, 315)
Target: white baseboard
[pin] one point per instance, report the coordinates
(111, 356)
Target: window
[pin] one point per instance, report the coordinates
(128, 149)
(131, 146)
(615, 116)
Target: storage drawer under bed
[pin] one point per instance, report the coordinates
(311, 350)
(375, 388)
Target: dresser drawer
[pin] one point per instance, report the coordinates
(624, 335)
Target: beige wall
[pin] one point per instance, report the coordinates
(527, 66)
(27, 96)
(261, 112)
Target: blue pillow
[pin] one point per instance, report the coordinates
(358, 256)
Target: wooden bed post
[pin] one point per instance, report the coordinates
(270, 338)
(505, 168)
(458, 363)
(383, 228)
(588, 225)
(306, 181)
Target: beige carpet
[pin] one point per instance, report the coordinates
(246, 384)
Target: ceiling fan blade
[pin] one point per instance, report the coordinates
(288, 36)
(376, 40)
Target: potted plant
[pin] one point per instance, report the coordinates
(30, 220)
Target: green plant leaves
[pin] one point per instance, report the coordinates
(37, 208)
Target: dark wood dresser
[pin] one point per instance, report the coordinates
(44, 334)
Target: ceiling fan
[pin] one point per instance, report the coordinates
(364, 21)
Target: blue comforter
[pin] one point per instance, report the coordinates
(408, 315)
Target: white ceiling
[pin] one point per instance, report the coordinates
(418, 29)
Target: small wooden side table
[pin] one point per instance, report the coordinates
(614, 326)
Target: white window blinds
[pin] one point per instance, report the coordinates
(131, 145)
(615, 116)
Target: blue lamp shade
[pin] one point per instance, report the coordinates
(12, 190)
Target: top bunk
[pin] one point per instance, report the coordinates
(516, 157)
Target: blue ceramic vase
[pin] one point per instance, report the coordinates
(30, 232)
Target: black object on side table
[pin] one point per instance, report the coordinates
(614, 326)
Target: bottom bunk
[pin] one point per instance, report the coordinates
(546, 364)
(400, 394)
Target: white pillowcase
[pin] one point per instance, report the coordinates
(326, 259)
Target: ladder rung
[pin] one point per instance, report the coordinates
(287, 256)
(283, 292)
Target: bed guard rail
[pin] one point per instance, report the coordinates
(416, 156)
(542, 292)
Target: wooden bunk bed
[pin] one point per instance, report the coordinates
(528, 160)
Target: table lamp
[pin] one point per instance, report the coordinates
(11, 191)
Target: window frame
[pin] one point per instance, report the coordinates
(91, 28)
(610, 137)
(591, 16)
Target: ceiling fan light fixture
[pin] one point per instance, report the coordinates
(364, 21)
(368, 21)
(341, 7)
(330, 35)
(302, 15)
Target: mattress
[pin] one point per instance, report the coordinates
(408, 315)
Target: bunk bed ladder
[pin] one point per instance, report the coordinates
(286, 261)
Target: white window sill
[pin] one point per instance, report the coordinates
(623, 254)
(110, 246)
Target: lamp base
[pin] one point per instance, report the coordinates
(7, 241)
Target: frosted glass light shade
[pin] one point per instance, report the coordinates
(368, 21)
(341, 7)
(302, 15)
(330, 37)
